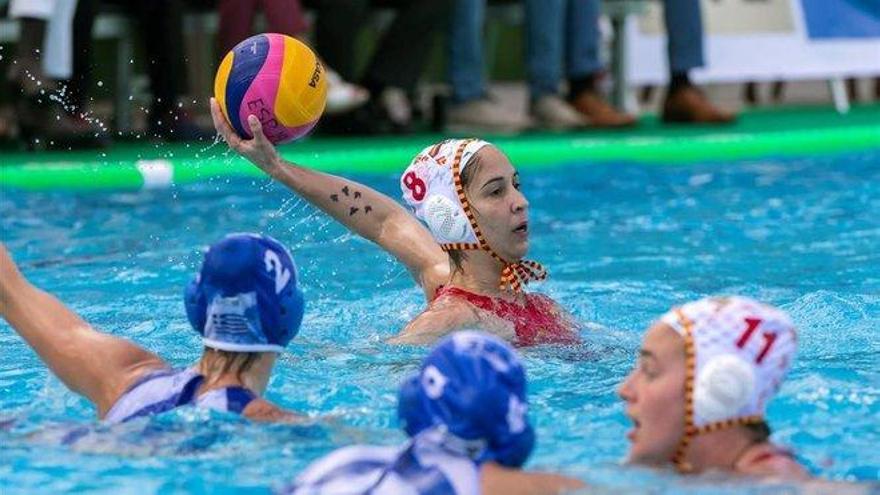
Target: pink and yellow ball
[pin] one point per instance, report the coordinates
(276, 78)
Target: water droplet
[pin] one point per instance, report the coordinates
(130, 97)
(100, 84)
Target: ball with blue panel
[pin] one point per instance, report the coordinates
(276, 78)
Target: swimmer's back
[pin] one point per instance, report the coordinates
(412, 470)
(166, 389)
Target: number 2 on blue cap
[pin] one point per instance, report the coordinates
(273, 264)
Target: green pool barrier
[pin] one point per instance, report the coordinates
(758, 134)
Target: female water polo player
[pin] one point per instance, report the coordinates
(698, 392)
(245, 302)
(469, 259)
(465, 412)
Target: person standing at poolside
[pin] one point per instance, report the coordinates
(466, 414)
(468, 261)
(698, 394)
(245, 302)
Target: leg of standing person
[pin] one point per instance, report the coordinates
(395, 66)
(471, 107)
(545, 37)
(684, 101)
(83, 22)
(236, 23)
(584, 66)
(402, 52)
(466, 67)
(336, 30)
(160, 25)
(285, 17)
(43, 59)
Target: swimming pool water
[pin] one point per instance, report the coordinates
(622, 242)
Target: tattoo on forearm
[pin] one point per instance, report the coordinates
(354, 205)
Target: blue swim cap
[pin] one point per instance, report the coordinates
(473, 386)
(246, 298)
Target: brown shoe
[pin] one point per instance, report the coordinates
(599, 113)
(689, 104)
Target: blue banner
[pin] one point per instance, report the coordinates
(834, 19)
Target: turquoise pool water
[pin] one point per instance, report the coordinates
(622, 243)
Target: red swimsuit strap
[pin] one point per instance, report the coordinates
(534, 322)
(478, 300)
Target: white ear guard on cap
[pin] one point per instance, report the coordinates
(737, 352)
(446, 220)
(723, 388)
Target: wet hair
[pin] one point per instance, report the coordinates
(230, 362)
(457, 256)
(760, 432)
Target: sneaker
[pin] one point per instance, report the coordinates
(689, 105)
(552, 112)
(599, 113)
(484, 115)
(397, 107)
(343, 96)
(389, 112)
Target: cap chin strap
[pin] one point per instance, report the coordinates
(441, 436)
(514, 274)
(679, 459)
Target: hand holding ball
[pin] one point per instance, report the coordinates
(276, 78)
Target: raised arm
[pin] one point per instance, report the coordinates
(363, 210)
(93, 364)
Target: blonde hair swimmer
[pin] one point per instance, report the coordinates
(467, 256)
(245, 302)
(698, 394)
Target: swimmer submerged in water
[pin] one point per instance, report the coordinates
(468, 261)
(466, 414)
(698, 393)
(245, 302)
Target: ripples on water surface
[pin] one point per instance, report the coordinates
(623, 243)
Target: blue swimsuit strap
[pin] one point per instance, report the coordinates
(426, 480)
(186, 396)
(238, 398)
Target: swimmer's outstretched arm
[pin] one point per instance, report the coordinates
(365, 211)
(93, 364)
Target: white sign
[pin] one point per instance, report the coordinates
(762, 40)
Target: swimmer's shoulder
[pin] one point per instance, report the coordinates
(448, 313)
(497, 479)
(262, 410)
(770, 460)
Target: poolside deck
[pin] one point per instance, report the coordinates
(788, 131)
